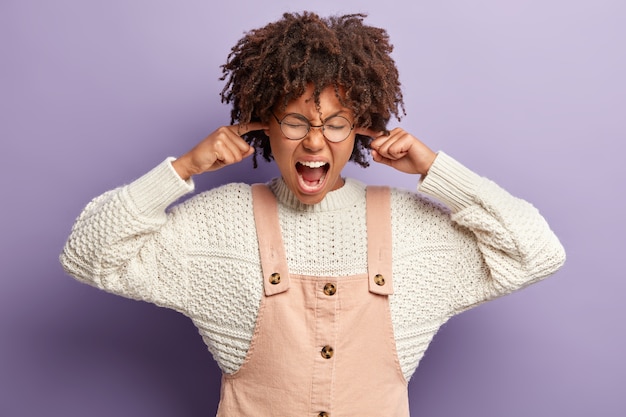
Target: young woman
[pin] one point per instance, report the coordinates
(316, 295)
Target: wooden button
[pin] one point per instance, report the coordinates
(330, 289)
(327, 352)
(275, 278)
(379, 280)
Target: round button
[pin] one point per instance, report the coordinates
(323, 414)
(330, 289)
(327, 352)
(275, 278)
(379, 279)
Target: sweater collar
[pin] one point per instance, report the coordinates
(339, 199)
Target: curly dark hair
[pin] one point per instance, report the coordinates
(274, 64)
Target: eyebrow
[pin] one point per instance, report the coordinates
(337, 113)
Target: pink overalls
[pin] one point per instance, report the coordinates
(322, 346)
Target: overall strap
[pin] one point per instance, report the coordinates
(379, 240)
(272, 250)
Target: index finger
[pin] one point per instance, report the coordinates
(242, 129)
(366, 131)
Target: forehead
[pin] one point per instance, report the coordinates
(306, 104)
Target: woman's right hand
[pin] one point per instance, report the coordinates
(221, 148)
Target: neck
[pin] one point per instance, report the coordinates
(344, 196)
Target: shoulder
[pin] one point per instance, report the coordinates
(412, 203)
(415, 215)
(220, 217)
(225, 200)
(231, 193)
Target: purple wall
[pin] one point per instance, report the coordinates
(94, 93)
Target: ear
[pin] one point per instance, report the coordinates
(364, 131)
(266, 127)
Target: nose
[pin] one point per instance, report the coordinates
(314, 140)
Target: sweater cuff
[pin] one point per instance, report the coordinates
(153, 192)
(450, 182)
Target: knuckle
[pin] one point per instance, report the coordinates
(223, 130)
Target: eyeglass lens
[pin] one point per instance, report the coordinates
(335, 129)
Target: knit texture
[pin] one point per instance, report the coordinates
(201, 257)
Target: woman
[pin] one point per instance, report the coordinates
(316, 295)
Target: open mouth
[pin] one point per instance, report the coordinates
(312, 174)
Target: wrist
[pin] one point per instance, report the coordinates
(428, 162)
(182, 168)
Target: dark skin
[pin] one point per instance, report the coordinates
(225, 146)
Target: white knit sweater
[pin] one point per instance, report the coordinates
(201, 256)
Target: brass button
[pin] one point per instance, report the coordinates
(379, 279)
(330, 289)
(327, 352)
(275, 278)
(323, 414)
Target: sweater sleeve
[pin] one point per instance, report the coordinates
(120, 242)
(517, 246)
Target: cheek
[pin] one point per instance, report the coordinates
(275, 146)
(274, 141)
(345, 152)
(282, 150)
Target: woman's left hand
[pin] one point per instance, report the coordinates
(400, 150)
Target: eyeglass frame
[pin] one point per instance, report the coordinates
(322, 126)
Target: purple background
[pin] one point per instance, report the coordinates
(528, 93)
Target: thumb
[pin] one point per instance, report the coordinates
(380, 159)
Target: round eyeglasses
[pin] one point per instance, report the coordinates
(295, 127)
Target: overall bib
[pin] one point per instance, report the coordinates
(322, 346)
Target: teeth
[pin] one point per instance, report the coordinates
(313, 164)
